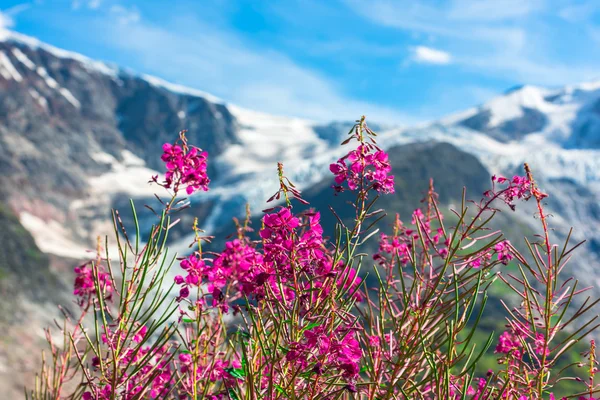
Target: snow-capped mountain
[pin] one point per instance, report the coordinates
(75, 133)
(557, 132)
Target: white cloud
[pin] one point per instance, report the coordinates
(579, 12)
(94, 4)
(219, 62)
(6, 21)
(493, 10)
(427, 55)
(7, 16)
(91, 4)
(125, 16)
(507, 39)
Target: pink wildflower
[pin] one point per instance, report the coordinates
(373, 168)
(185, 166)
(84, 285)
(503, 251)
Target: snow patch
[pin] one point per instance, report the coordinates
(47, 78)
(130, 159)
(175, 88)
(266, 139)
(510, 106)
(7, 69)
(52, 237)
(103, 158)
(34, 44)
(23, 59)
(70, 98)
(39, 98)
(131, 180)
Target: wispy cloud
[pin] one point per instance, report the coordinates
(220, 62)
(94, 4)
(503, 38)
(7, 16)
(6, 21)
(124, 15)
(428, 55)
(579, 11)
(493, 10)
(91, 4)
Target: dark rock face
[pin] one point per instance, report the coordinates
(586, 128)
(149, 117)
(478, 122)
(60, 117)
(531, 121)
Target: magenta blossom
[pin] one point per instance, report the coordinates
(361, 165)
(84, 285)
(185, 167)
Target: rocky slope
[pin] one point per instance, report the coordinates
(556, 131)
(76, 133)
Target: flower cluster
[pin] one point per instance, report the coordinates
(399, 246)
(502, 250)
(322, 350)
(185, 167)
(509, 343)
(85, 286)
(519, 187)
(365, 164)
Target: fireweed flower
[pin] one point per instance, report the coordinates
(363, 164)
(338, 351)
(239, 263)
(196, 268)
(84, 285)
(294, 280)
(508, 343)
(509, 190)
(539, 344)
(185, 167)
(503, 251)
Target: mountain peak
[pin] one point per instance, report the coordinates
(35, 44)
(111, 70)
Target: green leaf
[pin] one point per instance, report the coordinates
(244, 334)
(281, 390)
(233, 394)
(310, 326)
(236, 372)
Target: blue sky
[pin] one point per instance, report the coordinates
(400, 61)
